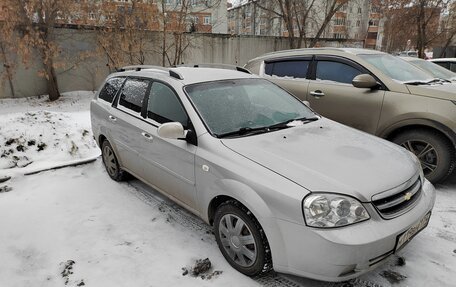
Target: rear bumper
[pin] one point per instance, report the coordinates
(347, 252)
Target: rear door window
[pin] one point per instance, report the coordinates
(446, 65)
(163, 105)
(336, 72)
(109, 90)
(132, 95)
(453, 67)
(291, 68)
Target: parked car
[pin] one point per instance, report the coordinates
(447, 63)
(283, 187)
(408, 54)
(375, 92)
(432, 68)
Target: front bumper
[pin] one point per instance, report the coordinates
(347, 252)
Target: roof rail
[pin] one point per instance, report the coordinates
(219, 66)
(138, 68)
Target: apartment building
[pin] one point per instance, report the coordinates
(203, 16)
(356, 20)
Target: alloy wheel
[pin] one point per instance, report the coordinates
(425, 152)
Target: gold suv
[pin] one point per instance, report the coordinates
(376, 93)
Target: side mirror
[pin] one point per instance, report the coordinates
(173, 130)
(306, 103)
(364, 81)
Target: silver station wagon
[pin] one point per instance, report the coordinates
(283, 187)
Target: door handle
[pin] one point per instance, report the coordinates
(317, 94)
(112, 119)
(147, 136)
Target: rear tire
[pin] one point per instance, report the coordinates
(111, 163)
(241, 239)
(435, 152)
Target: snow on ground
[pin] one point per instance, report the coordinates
(77, 227)
(36, 134)
(114, 237)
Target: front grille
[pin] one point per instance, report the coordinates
(393, 203)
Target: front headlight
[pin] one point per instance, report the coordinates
(328, 210)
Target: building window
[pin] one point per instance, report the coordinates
(195, 19)
(207, 20)
(92, 16)
(373, 23)
(358, 23)
(359, 10)
(339, 21)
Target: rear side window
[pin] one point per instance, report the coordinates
(446, 65)
(453, 67)
(336, 72)
(294, 69)
(110, 89)
(133, 93)
(164, 106)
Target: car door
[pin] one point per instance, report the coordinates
(167, 164)
(332, 94)
(125, 117)
(290, 73)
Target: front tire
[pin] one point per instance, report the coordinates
(241, 239)
(435, 152)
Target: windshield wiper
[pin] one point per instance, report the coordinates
(418, 83)
(249, 131)
(243, 131)
(285, 123)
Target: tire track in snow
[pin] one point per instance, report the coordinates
(190, 221)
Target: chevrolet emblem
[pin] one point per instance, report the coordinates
(407, 196)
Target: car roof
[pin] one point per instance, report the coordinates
(411, 59)
(443, 60)
(186, 75)
(308, 51)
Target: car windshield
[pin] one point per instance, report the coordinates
(244, 107)
(434, 69)
(397, 68)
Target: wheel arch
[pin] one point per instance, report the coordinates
(394, 130)
(101, 139)
(229, 189)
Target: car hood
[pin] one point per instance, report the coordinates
(329, 157)
(444, 92)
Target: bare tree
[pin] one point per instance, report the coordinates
(124, 33)
(417, 20)
(33, 24)
(178, 19)
(449, 28)
(296, 14)
(6, 45)
(332, 6)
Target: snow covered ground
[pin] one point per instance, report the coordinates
(76, 227)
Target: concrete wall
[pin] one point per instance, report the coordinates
(81, 68)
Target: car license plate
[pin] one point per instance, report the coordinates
(405, 237)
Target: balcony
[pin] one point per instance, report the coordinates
(372, 29)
